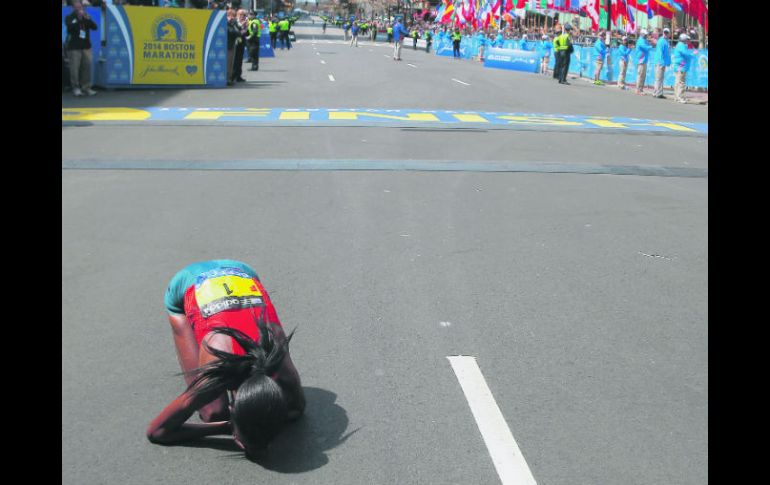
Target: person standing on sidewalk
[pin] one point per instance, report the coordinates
(399, 33)
(456, 39)
(233, 34)
(643, 57)
(354, 34)
(624, 53)
(547, 48)
(682, 59)
(240, 45)
(79, 49)
(255, 32)
(482, 40)
(600, 52)
(662, 61)
(563, 47)
(415, 35)
(284, 26)
(428, 40)
(272, 28)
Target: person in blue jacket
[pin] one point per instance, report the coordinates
(662, 61)
(624, 53)
(682, 59)
(547, 48)
(643, 49)
(482, 40)
(398, 39)
(499, 40)
(523, 44)
(600, 52)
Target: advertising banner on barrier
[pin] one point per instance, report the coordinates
(582, 61)
(166, 47)
(512, 59)
(95, 36)
(265, 49)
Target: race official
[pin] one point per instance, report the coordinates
(562, 46)
(643, 47)
(624, 54)
(662, 61)
(682, 59)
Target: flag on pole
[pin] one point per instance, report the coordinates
(591, 8)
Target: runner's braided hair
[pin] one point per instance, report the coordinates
(260, 405)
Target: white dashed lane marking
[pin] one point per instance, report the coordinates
(506, 455)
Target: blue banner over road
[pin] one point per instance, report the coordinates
(512, 59)
(377, 117)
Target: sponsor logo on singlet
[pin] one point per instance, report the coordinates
(224, 289)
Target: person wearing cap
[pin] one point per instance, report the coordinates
(600, 52)
(547, 48)
(682, 59)
(643, 48)
(624, 52)
(562, 45)
(662, 61)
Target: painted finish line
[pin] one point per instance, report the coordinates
(364, 117)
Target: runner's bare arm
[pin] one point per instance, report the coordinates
(186, 346)
(170, 425)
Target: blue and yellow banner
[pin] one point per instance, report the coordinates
(166, 47)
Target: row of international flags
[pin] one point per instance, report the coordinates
(486, 13)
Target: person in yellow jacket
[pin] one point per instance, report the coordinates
(272, 28)
(562, 47)
(254, 33)
(283, 27)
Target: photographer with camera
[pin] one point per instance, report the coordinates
(79, 49)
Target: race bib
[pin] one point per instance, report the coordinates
(226, 289)
(82, 34)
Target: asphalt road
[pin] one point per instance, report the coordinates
(583, 297)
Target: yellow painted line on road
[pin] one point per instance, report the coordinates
(605, 123)
(215, 115)
(673, 126)
(539, 120)
(470, 118)
(104, 114)
(354, 115)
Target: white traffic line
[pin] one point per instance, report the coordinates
(458, 81)
(385, 55)
(318, 53)
(331, 78)
(323, 62)
(411, 65)
(506, 455)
